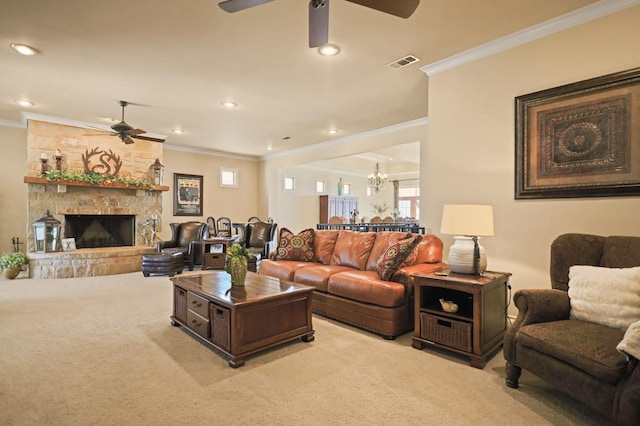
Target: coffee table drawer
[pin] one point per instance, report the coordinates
(198, 324)
(198, 305)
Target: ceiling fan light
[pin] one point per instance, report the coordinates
(328, 50)
(23, 49)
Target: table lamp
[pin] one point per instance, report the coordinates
(467, 222)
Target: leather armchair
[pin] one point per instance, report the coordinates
(577, 357)
(186, 239)
(258, 237)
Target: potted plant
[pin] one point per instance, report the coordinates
(235, 264)
(12, 263)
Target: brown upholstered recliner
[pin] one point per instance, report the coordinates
(258, 236)
(577, 357)
(186, 239)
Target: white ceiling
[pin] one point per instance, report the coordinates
(176, 60)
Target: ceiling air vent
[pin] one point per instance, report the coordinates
(403, 62)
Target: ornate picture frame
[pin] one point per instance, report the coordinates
(580, 139)
(187, 195)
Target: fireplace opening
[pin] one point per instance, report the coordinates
(93, 231)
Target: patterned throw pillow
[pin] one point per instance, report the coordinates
(395, 254)
(295, 246)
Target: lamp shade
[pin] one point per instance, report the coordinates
(467, 219)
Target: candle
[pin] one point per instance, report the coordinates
(43, 156)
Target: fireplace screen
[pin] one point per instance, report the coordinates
(92, 231)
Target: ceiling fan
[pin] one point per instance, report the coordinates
(319, 13)
(126, 133)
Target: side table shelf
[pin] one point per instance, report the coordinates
(477, 328)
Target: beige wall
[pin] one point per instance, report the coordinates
(13, 191)
(236, 203)
(470, 154)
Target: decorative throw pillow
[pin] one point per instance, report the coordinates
(295, 246)
(395, 254)
(607, 296)
(630, 344)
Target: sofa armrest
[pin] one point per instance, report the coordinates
(535, 306)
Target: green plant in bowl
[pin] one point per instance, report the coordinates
(13, 260)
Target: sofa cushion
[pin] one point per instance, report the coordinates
(383, 240)
(283, 269)
(317, 275)
(295, 246)
(390, 261)
(352, 249)
(323, 243)
(587, 346)
(366, 287)
(607, 296)
(429, 250)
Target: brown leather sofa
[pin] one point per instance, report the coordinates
(347, 284)
(577, 357)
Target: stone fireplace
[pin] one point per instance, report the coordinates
(105, 220)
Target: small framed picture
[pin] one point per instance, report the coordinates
(68, 244)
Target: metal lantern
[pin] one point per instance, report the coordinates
(157, 172)
(46, 231)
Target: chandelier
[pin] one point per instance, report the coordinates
(377, 179)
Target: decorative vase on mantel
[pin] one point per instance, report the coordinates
(340, 187)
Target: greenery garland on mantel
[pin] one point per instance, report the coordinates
(80, 178)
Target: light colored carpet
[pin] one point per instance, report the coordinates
(101, 351)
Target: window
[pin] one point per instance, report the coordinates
(320, 186)
(289, 183)
(228, 177)
(347, 189)
(409, 201)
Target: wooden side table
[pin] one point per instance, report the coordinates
(477, 328)
(215, 260)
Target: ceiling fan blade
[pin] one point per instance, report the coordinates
(148, 138)
(237, 5)
(128, 140)
(318, 23)
(134, 132)
(400, 8)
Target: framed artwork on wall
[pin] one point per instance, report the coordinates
(187, 195)
(580, 139)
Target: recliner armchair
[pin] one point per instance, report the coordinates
(186, 239)
(575, 356)
(258, 236)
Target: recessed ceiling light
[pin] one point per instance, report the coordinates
(328, 50)
(178, 131)
(228, 104)
(285, 138)
(24, 103)
(332, 131)
(269, 148)
(23, 49)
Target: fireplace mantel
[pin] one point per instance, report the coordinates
(45, 181)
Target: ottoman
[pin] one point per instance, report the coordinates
(162, 263)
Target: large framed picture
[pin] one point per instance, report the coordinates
(187, 195)
(580, 140)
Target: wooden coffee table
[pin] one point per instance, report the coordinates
(240, 321)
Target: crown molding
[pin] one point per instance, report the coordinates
(563, 22)
(339, 141)
(209, 152)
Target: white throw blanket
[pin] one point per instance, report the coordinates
(630, 344)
